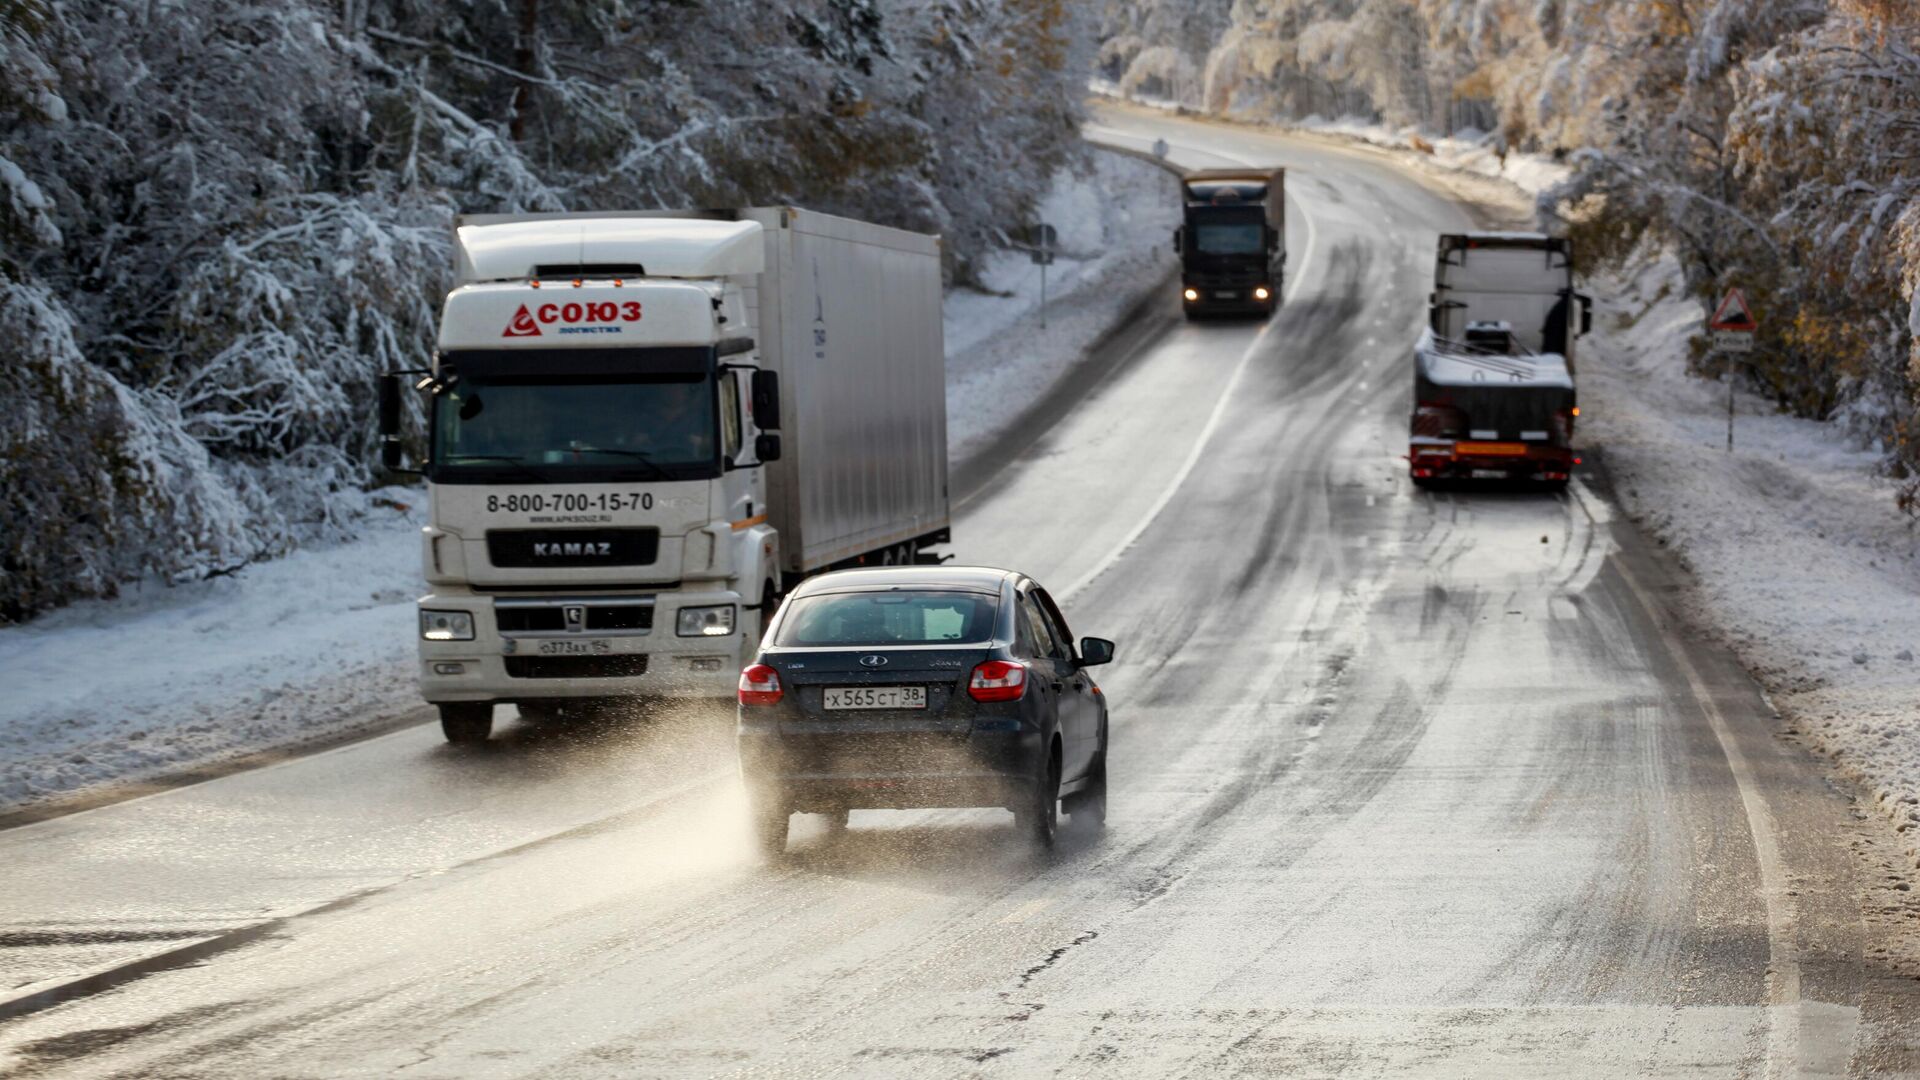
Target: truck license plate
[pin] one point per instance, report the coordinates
(1228, 295)
(576, 647)
(876, 697)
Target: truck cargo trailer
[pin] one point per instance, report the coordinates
(644, 427)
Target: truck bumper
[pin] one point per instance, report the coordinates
(1238, 299)
(555, 665)
(1448, 460)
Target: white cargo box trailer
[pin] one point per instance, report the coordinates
(849, 314)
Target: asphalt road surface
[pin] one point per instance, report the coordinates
(1402, 783)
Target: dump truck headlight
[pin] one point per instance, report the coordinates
(1191, 294)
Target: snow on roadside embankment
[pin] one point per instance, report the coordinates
(1114, 228)
(1799, 555)
(319, 645)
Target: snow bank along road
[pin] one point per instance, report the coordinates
(1401, 784)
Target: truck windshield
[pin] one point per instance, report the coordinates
(576, 429)
(1229, 238)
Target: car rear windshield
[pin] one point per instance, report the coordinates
(888, 618)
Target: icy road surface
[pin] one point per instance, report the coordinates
(1402, 784)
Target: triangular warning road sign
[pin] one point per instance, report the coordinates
(1733, 314)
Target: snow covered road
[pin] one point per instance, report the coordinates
(1402, 784)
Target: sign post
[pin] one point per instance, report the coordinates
(1732, 327)
(1042, 240)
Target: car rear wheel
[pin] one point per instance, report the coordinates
(466, 722)
(770, 814)
(1087, 808)
(1039, 819)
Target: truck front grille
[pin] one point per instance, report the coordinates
(572, 547)
(624, 666)
(533, 619)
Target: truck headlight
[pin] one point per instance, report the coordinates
(705, 621)
(446, 625)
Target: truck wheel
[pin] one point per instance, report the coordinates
(770, 813)
(1039, 820)
(1087, 808)
(466, 722)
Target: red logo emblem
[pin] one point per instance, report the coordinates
(522, 324)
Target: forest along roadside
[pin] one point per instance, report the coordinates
(110, 699)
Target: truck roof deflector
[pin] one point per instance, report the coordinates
(667, 247)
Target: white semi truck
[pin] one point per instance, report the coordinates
(644, 427)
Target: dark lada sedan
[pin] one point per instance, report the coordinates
(923, 686)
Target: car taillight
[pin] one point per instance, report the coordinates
(998, 680)
(760, 685)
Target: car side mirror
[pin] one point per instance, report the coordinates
(766, 405)
(766, 447)
(1095, 651)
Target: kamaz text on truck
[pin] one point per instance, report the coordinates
(644, 427)
(1232, 242)
(1493, 371)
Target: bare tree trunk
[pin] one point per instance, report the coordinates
(523, 61)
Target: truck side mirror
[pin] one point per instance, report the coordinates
(1177, 233)
(390, 406)
(391, 389)
(1586, 314)
(766, 447)
(766, 406)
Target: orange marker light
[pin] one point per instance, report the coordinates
(1576, 410)
(535, 283)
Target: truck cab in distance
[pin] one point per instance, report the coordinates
(1232, 241)
(642, 427)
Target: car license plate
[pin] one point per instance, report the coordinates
(876, 697)
(1228, 295)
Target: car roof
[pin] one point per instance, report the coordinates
(974, 578)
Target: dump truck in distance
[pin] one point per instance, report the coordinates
(1494, 394)
(644, 427)
(1232, 241)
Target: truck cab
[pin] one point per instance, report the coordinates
(597, 426)
(1232, 241)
